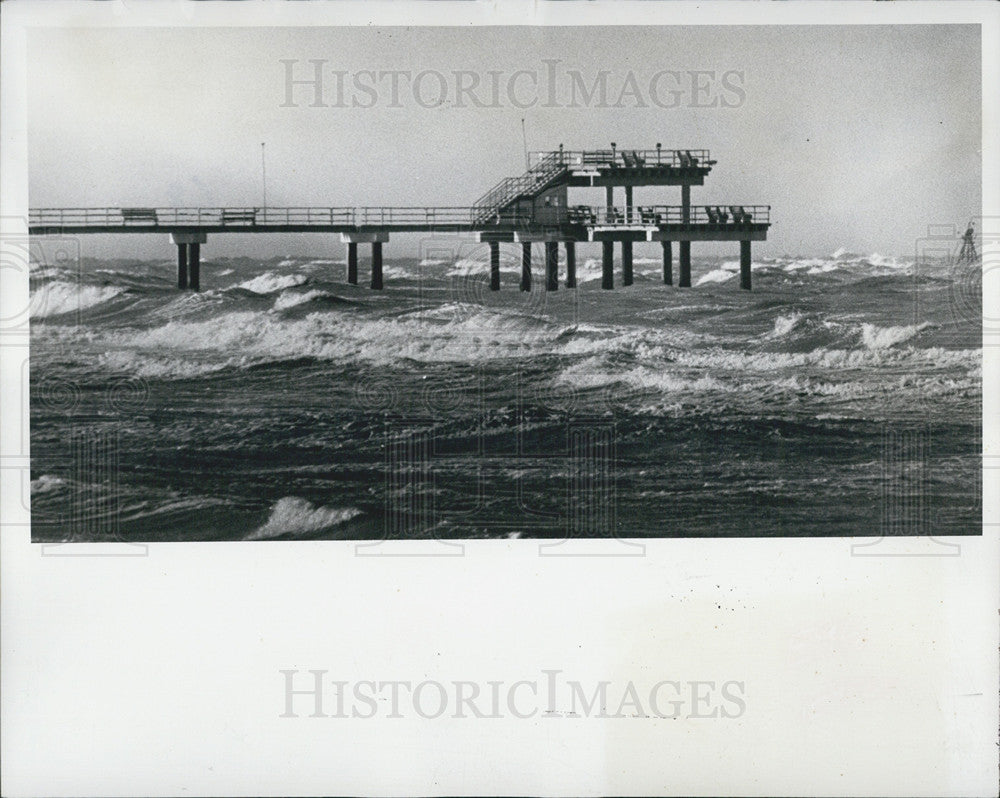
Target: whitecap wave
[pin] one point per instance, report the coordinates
(291, 299)
(875, 337)
(716, 276)
(785, 324)
(46, 483)
(57, 298)
(295, 516)
(269, 282)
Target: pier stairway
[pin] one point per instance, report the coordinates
(543, 175)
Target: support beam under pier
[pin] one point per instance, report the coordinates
(685, 258)
(377, 265)
(525, 265)
(745, 265)
(182, 266)
(494, 265)
(352, 262)
(626, 263)
(608, 264)
(551, 265)
(571, 264)
(668, 262)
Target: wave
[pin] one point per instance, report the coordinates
(783, 325)
(716, 276)
(875, 337)
(57, 298)
(46, 483)
(291, 299)
(295, 516)
(269, 282)
(469, 267)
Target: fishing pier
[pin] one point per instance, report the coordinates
(527, 209)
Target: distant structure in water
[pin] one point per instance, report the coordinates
(530, 208)
(968, 253)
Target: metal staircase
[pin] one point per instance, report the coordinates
(537, 179)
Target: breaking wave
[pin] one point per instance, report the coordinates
(295, 516)
(57, 298)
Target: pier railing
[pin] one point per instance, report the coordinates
(623, 158)
(262, 218)
(720, 216)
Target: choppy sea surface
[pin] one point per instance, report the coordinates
(841, 397)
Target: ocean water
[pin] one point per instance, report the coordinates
(841, 397)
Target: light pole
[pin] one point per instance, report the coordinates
(263, 174)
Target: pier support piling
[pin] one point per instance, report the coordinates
(745, 265)
(525, 265)
(608, 264)
(182, 266)
(626, 263)
(494, 266)
(551, 265)
(685, 265)
(194, 267)
(188, 257)
(668, 262)
(352, 262)
(570, 264)
(377, 265)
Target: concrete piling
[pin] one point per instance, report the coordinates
(745, 265)
(570, 264)
(494, 266)
(194, 266)
(551, 265)
(352, 262)
(525, 265)
(608, 264)
(626, 263)
(377, 265)
(182, 266)
(685, 264)
(668, 262)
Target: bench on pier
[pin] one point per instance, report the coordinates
(649, 216)
(740, 216)
(581, 214)
(145, 215)
(239, 216)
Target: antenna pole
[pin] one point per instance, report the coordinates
(524, 136)
(263, 173)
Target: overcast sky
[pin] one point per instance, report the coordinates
(858, 137)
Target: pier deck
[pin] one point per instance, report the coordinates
(528, 208)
